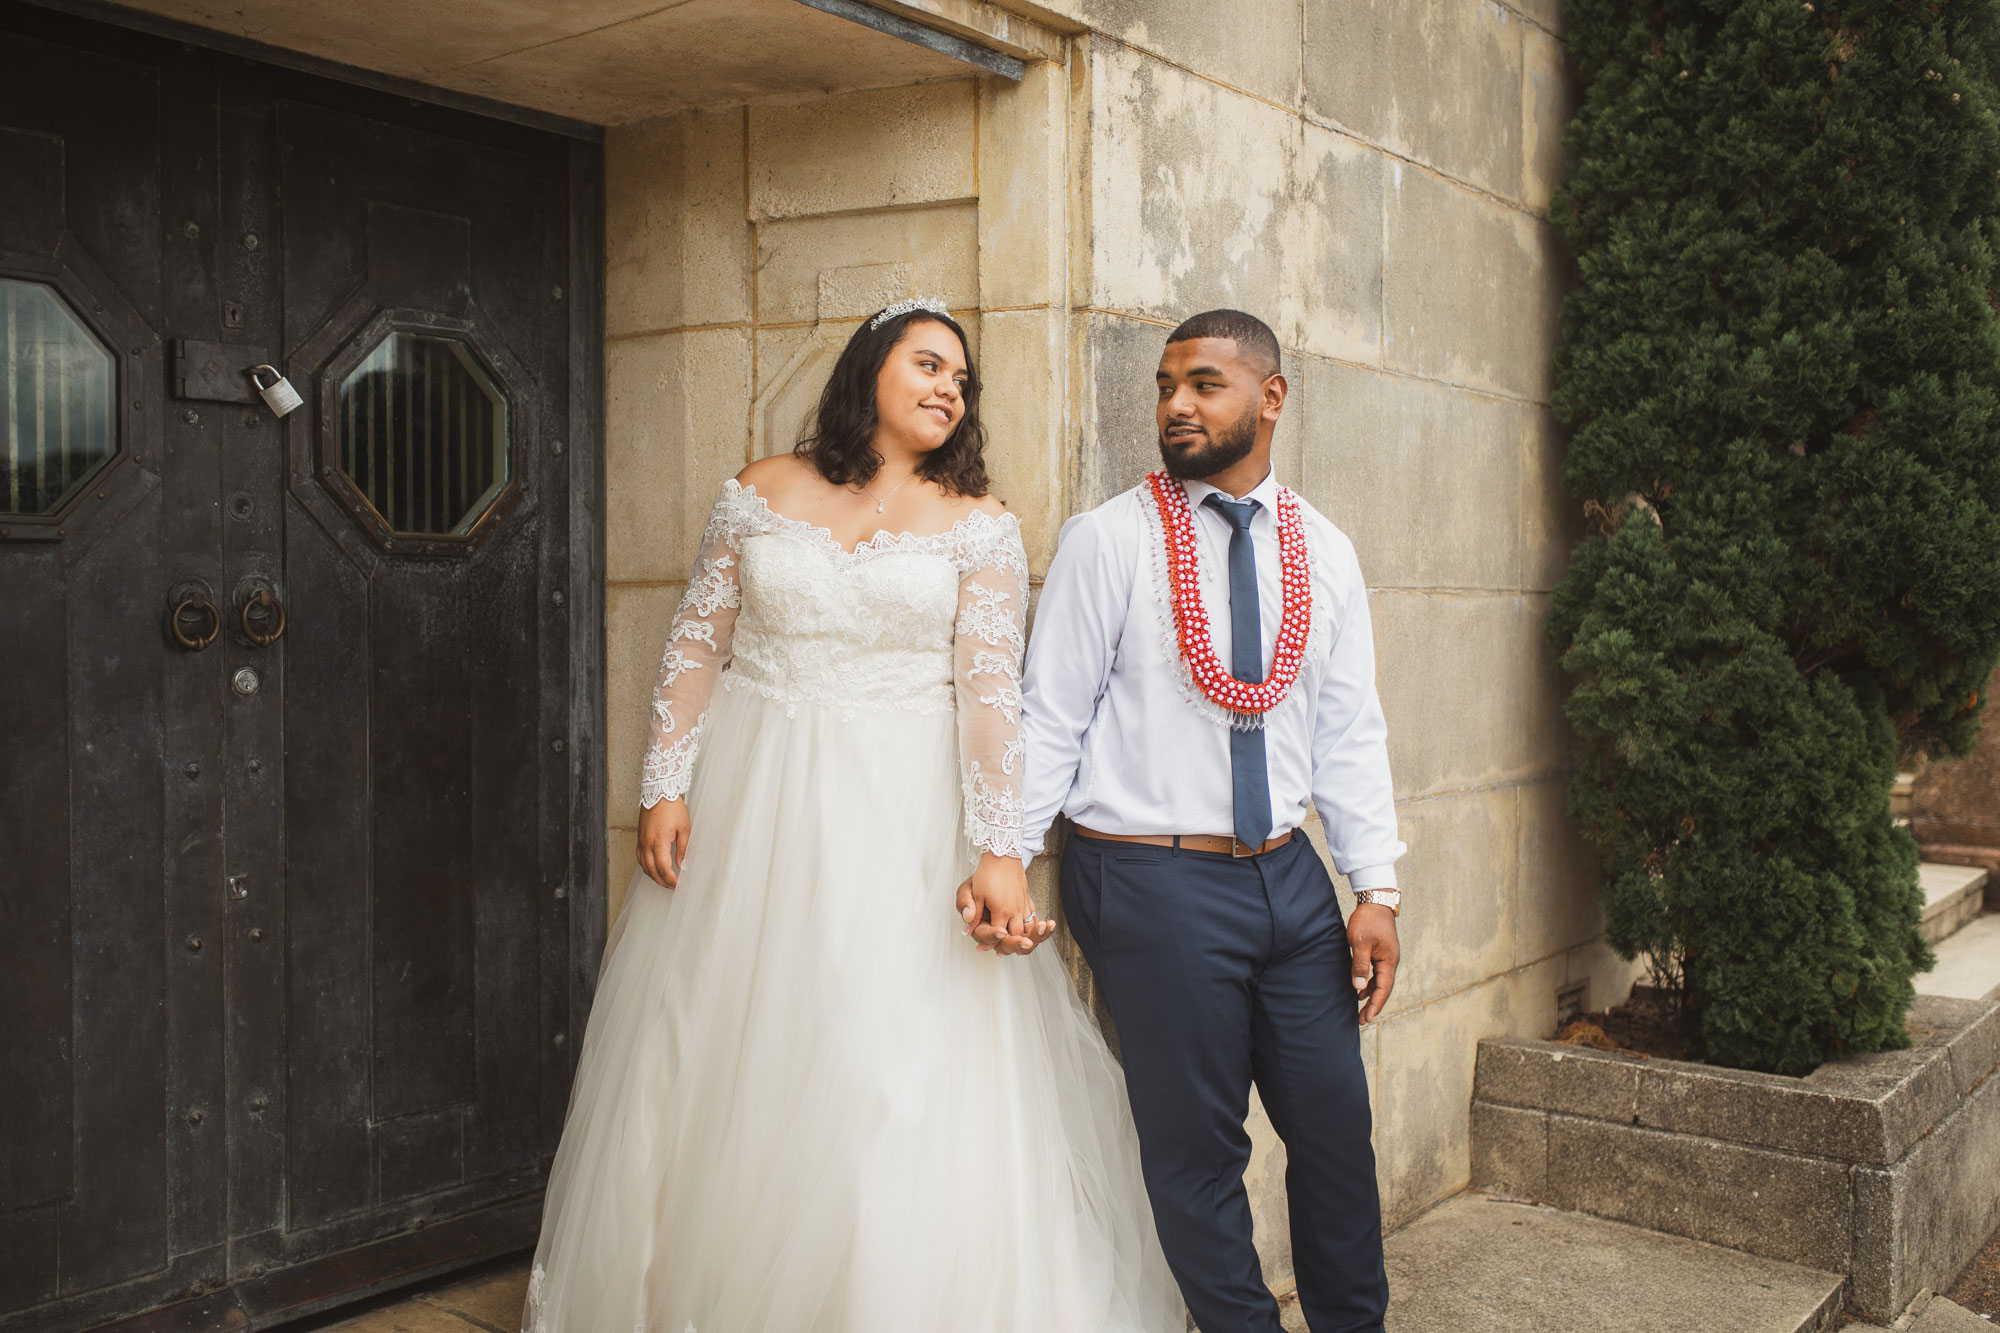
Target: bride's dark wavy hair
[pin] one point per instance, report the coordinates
(840, 434)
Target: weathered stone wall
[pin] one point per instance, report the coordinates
(712, 286)
(1954, 804)
(743, 245)
(1371, 176)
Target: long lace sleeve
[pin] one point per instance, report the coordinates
(696, 654)
(991, 635)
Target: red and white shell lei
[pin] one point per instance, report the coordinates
(1197, 645)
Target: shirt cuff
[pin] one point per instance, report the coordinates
(1372, 877)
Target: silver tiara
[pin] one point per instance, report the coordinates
(929, 303)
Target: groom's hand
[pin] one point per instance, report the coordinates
(1371, 934)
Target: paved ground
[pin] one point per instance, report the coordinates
(489, 1302)
(1480, 1266)
(1968, 962)
(1942, 1316)
(1474, 1266)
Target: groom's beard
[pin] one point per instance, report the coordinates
(1218, 453)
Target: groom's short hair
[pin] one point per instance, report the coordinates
(1255, 342)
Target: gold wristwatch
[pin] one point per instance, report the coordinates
(1389, 898)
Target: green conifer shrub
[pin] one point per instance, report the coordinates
(1782, 366)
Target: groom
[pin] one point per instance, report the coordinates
(1201, 672)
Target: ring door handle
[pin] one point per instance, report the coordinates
(194, 604)
(263, 618)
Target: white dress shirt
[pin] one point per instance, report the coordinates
(1117, 736)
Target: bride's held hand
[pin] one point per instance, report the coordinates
(663, 841)
(997, 909)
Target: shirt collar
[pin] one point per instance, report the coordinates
(1265, 493)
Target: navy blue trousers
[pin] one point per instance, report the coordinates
(1220, 973)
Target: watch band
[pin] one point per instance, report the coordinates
(1389, 898)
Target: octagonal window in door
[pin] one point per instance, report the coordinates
(58, 400)
(423, 434)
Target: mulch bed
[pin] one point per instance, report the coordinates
(1646, 1024)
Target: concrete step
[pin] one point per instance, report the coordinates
(1968, 966)
(1478, 1265)
(1953, 895)
(1942, 1316)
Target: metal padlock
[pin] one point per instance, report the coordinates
(279, 395)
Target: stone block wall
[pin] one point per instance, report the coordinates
(1954, 804)
(1373, 178)
(1370, 176)
(743, 245)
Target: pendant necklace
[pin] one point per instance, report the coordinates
(881, 500)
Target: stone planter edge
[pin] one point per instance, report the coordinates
(1858, 1168)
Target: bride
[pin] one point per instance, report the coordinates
(806, 1103)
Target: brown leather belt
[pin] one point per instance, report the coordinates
(1194, 842)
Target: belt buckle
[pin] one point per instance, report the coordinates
(1242, 850)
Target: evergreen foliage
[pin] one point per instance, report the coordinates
(1783, 368)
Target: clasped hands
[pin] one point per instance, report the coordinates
(995, 905)
(997, 910)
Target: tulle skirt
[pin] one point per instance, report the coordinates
(805, 1103)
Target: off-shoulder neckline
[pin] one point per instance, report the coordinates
(883, 540)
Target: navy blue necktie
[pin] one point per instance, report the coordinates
(1249, 774)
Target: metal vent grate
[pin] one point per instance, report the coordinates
(58, 400)
(423, 434)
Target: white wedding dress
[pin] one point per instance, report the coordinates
(805, 1103)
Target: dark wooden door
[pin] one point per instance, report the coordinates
(293, 823)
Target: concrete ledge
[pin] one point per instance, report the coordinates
(1884, 1167)
(1942, 1316)
(1953, 895)
(1778, 1205)
(1510, 1151)
(1918, 1223)
(1962, 845)
(1868, 1109)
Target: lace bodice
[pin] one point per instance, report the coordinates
(929, 623)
